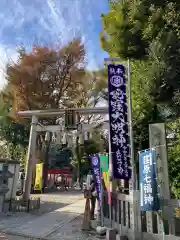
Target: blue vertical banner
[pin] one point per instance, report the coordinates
(149, 200)
(118, 121)
(95, 163)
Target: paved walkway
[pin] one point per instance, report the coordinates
(56, 200)
(36, 227)
(61, 224)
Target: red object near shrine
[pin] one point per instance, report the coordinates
(52, 175)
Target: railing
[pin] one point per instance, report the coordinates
(19, 205)
(149, 225)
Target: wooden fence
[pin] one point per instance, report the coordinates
(147, 225)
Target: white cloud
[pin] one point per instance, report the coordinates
(6, 55)
(25, 22)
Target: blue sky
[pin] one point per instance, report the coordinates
(25, 22)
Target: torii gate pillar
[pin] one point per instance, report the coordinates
(30, 158)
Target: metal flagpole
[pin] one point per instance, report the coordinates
(131, 140)
(110, 156)
(132, 151)
(160, 212)
(102, 195)
(110, 175)
(130, 128)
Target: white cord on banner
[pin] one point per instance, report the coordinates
(153, 148)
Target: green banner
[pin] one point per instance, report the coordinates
(104, 161)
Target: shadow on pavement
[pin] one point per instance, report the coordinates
(59, 199)
(63, 223)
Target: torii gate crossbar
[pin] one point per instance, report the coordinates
(37, 114)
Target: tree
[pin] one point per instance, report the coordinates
(95, 144)
(13, 136)
(148, 31)
(101, 87)
(145, 110)
(173, 157)
(84, 97)
(40, 78)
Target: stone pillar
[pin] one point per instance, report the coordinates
(1, 202)
(30, 158)
(135, 221)
(157, 139)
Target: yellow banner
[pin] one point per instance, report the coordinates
(107, 185)
(39, 177)
(106, 179)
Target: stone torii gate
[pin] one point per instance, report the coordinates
(35, 115)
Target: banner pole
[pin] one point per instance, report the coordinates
(130, 128)
(110, 176)
(96, 168)
(160, 212)
(134, 182)
(102, 202)
(119, 168)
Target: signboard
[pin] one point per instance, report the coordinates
(95, 163)
(39, 177)
(149, 200)
(118, 121)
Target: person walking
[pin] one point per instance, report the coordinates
(89, 180)
(65, 183)
(22, 177)
(93, 199)
(90, 187)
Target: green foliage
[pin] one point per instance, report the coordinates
(14, 136)
(15, 133)
(145, 109)
(174, 158)
(10, 131)
(13, 152)
(95, 144)
(90, 147)
(149, 31)
(174, 170)
(120, 37)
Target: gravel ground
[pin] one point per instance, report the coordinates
(53, 201)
